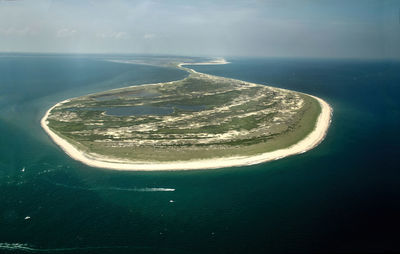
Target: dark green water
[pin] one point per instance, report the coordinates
(342, 196)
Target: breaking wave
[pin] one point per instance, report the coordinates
(26, 248)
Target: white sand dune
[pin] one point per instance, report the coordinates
(100, 161)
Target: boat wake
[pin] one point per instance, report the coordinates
(134, 189)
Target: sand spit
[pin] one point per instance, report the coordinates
(100, 161)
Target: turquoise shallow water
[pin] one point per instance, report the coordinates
(341, 196)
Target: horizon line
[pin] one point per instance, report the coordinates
(203, 55)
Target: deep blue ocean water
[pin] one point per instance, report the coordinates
(342, 196)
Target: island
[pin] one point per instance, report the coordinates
(200, 122)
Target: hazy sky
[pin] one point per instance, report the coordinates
(283, 28)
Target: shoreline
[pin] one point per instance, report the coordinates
(94, 160)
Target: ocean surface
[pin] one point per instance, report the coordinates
(343, 196)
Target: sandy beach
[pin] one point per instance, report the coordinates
(100, 161)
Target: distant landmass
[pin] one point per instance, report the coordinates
(200, 122)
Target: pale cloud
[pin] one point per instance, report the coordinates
(121, 35)
(113, 35)
(66, 32)
(12, 31)
(149, 36)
